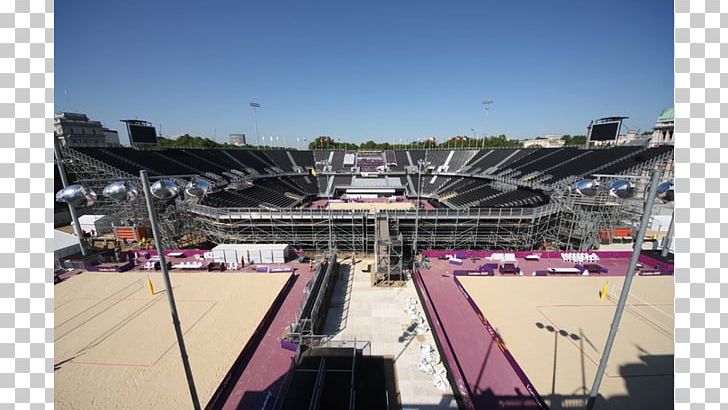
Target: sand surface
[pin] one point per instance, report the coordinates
(556, 328)
(115, 346)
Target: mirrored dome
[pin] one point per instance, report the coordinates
(77, 196)
(197, 188)
(587, 187)
(165, 189)
(666, 191)
(121, 191)
(622, 188)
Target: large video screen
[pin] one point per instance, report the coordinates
(605, 132)
(142, 134)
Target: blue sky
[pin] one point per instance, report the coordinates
(381, 70)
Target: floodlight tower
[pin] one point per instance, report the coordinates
(655, 190)
(255, 106)
(164, 189)
(420, 164)
(486, 108)
(83, 199)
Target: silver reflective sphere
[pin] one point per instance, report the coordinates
(121, 191)
(622, 188)
(165, 189)
(588, 187)
(77, 196)
(197, 188)
(666, 191)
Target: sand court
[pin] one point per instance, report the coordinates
(115, 345)
(556, 328)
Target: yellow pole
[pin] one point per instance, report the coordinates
(150, 285)
(603, 292)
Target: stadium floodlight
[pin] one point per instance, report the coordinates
(486, 108)
(586, 187)
(255, 106)
(164, 189)
(421, 163)
(77, 196)
(636, 250)
(666, 191)
(121, 191)
(622, 188)
(197, 188)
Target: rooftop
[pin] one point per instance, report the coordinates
(668, 114)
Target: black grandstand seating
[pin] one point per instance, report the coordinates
(269, 188)
(280, 159)
(495, 157)
(630, 162)
(250, 160)
(402, 160)
(304, 159)
(475, 193)
(459, 159)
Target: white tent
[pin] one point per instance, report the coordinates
(64, 244)
(253, 253)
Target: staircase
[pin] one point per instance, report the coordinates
(87, 167)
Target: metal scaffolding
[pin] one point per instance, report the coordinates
(568, 221)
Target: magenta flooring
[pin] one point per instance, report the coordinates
(615, 262)
(483, 374)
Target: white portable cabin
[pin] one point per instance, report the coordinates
(88, 223)
(253, 253)
(64, 244)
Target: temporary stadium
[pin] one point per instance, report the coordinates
(337, 279)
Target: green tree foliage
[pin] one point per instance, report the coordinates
(189, 141)
(574, 140)
(499, 141)
(322, 142)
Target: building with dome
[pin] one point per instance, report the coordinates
(664, 129)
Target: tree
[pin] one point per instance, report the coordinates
(575, 140)
(187, 140)
(322, 142)
(368, 145)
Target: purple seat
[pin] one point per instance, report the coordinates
(594, 268)
(508, 268)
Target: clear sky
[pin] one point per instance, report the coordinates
(360, 70)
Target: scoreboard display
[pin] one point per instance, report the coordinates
(141, 132)
(606, 131)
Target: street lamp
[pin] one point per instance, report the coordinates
(486, 107)
(255, 106)
(420, 164)
(63, 197)
(649, 202)
(165, 189)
